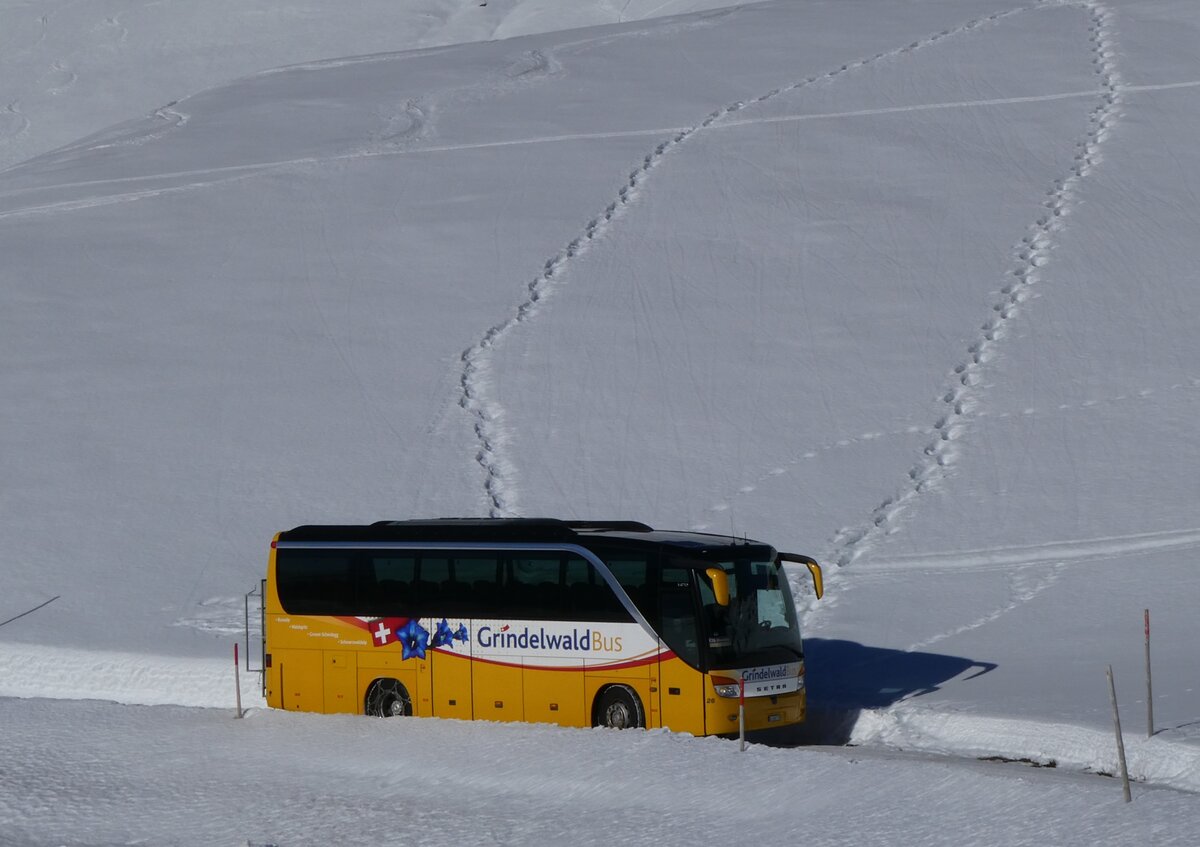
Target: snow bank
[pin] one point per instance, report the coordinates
(1081, 748)
(29, 670)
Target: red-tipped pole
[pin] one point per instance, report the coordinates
(742, 713)
(237, 680)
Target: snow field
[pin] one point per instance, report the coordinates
(906, 286)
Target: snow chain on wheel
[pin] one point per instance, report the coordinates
(618, 707)
(388, 698)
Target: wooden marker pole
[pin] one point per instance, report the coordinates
(1149, 686)
(1112, 690)
(237, 680)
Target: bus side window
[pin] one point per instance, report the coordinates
(589, 595)
(385, 587)
(632, 575)
(316, 582)
(534, 587)
(473, 586)
(432, 571)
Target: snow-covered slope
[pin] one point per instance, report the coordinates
(906, 286)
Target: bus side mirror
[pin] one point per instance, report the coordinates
(720, 585)
(818, 577)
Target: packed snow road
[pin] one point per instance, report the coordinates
(88, 773)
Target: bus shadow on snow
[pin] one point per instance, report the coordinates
(845, 678)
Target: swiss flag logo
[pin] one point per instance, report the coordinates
(383, 630)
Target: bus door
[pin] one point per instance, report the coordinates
(680, 684)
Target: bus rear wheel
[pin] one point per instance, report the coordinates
(618, 707)
(388, 698)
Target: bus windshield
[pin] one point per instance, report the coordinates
(759, 625)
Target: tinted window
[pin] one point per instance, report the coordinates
(591, 598)
(636, 576)
(471, 588)
(380, 583)
(529, 570)
(385, 568)
(434, 569)
(534, 588)
(555, 586)
(315, 582)
(385, 585)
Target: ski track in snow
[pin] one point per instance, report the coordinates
(800, 458)
(1031, 255)
(500, 476)
(1032, 569)
(223, 616)
(1058, 552)
(226, 173)
(1024, 584)
(1145, 395)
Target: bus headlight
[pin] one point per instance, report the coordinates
(725, 687)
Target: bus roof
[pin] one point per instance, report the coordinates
(517, 530)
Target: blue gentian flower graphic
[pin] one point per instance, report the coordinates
(444, 635)
(461, 635)
(413, 639)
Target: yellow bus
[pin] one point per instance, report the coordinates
(577, 623)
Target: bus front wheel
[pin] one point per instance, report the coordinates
(388, 698)
(618, 707)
